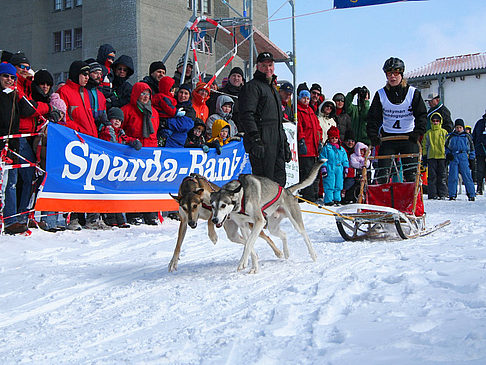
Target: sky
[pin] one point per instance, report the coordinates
(344, 48)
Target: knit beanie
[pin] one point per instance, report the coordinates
(58, 103)
(8, 68)
(185, 87)
(115, 113)
(236, 70)
(154, 66)
(181, 61)
(93, 65)
(459, 122)
(304, 93)
(76, 68)
(333, 132)
(43, 77)
(301, 87)
(316, 87)
(19, 58)
(349, 135)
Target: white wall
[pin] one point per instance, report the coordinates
(466, 99)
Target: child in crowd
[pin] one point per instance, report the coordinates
(351, 182)
(113, 132)
(459, 149)
(434, 158)
(334, 169)
(196, 138)
(224, 110)
(221, 134)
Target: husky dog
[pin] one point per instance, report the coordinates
(261, 201)
(194, 204)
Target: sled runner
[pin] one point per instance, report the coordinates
(383, 209)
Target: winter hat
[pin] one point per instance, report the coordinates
(236, 70)
(333, 132)
(185, 87)
(287, 87)
(436, 116)
(459, 122)
(8, 68)
(154, 66)
(6, 55)
(115, 113)
(316, 87)
(77, 68)
(304, 93)
(19, 58)
(200, 85)
(93, 65)
(338, 97)
(43, 77)
(349, 135)
(301, 87)
(58, 103)
(181, 61)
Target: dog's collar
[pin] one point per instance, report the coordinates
(265, 206)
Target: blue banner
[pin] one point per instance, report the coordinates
(87, 174)
(341, 4)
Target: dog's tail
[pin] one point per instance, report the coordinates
(309, 180)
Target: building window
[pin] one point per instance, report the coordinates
(68, 4)
(79, 2)
(203, 44)
(57, 5)
(205, 5)
(57, 41)
(78, 38)
(68, 40)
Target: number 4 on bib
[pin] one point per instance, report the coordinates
(397, 125)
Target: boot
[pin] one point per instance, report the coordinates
(16, 228)
(74, 225)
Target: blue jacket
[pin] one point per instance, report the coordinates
(177, 128)
(460, 145)
(336, 158)
(479, 136)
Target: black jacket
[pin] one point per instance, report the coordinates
(396, 95)
(154, 85)
(122, 89)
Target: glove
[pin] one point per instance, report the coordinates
(218, 148)
(302, 147)
(287, 152)
(180, 113)
(471, 164)
(257, 148)
(240, 134)
(346, 171)
(324, 171)
(112, 133)
(413, 137)
(205, 148)
(135, 144)
(449, 157)
(355, 90)
(375, 140)
(236, 138)
(54, 115)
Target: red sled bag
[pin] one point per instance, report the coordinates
(396, 195)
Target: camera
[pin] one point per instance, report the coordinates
(363, 93)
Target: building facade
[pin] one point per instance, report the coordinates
(460, 81)
(53, 33)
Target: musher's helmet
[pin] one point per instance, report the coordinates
(394, 63)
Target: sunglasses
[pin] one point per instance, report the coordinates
(122, 69)
(11, 77)
(85, 73)
(341, 100)
(394, 73)
(24, 67)
(315, 93)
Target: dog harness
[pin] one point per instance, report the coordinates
(266, 206)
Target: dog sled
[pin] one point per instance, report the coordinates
(384, 210)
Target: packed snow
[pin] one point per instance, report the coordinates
(106, 297)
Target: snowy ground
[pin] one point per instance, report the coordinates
(106, 297)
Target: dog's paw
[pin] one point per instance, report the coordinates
(242, 266)
(172, 265)
(214, 239)
(253, 270)
(278, 253)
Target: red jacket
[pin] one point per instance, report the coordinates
(27, 125)
(309, 129)
(163, 101)
(133, 117)
(199, 103)
(79, 114)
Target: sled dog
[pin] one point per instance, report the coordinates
(261, 201)
(194, 204)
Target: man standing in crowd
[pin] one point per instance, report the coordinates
(358, 112)
(316, 97)
(120, 93)
(96, 98)
(12, 106)
(397, 110)
(157, 70)
(178, 73)
(106, 57)
(261, 120)
(436, 106)
(232, 89)
(285, 91)
(479, 139)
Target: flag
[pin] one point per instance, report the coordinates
(341, 4)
